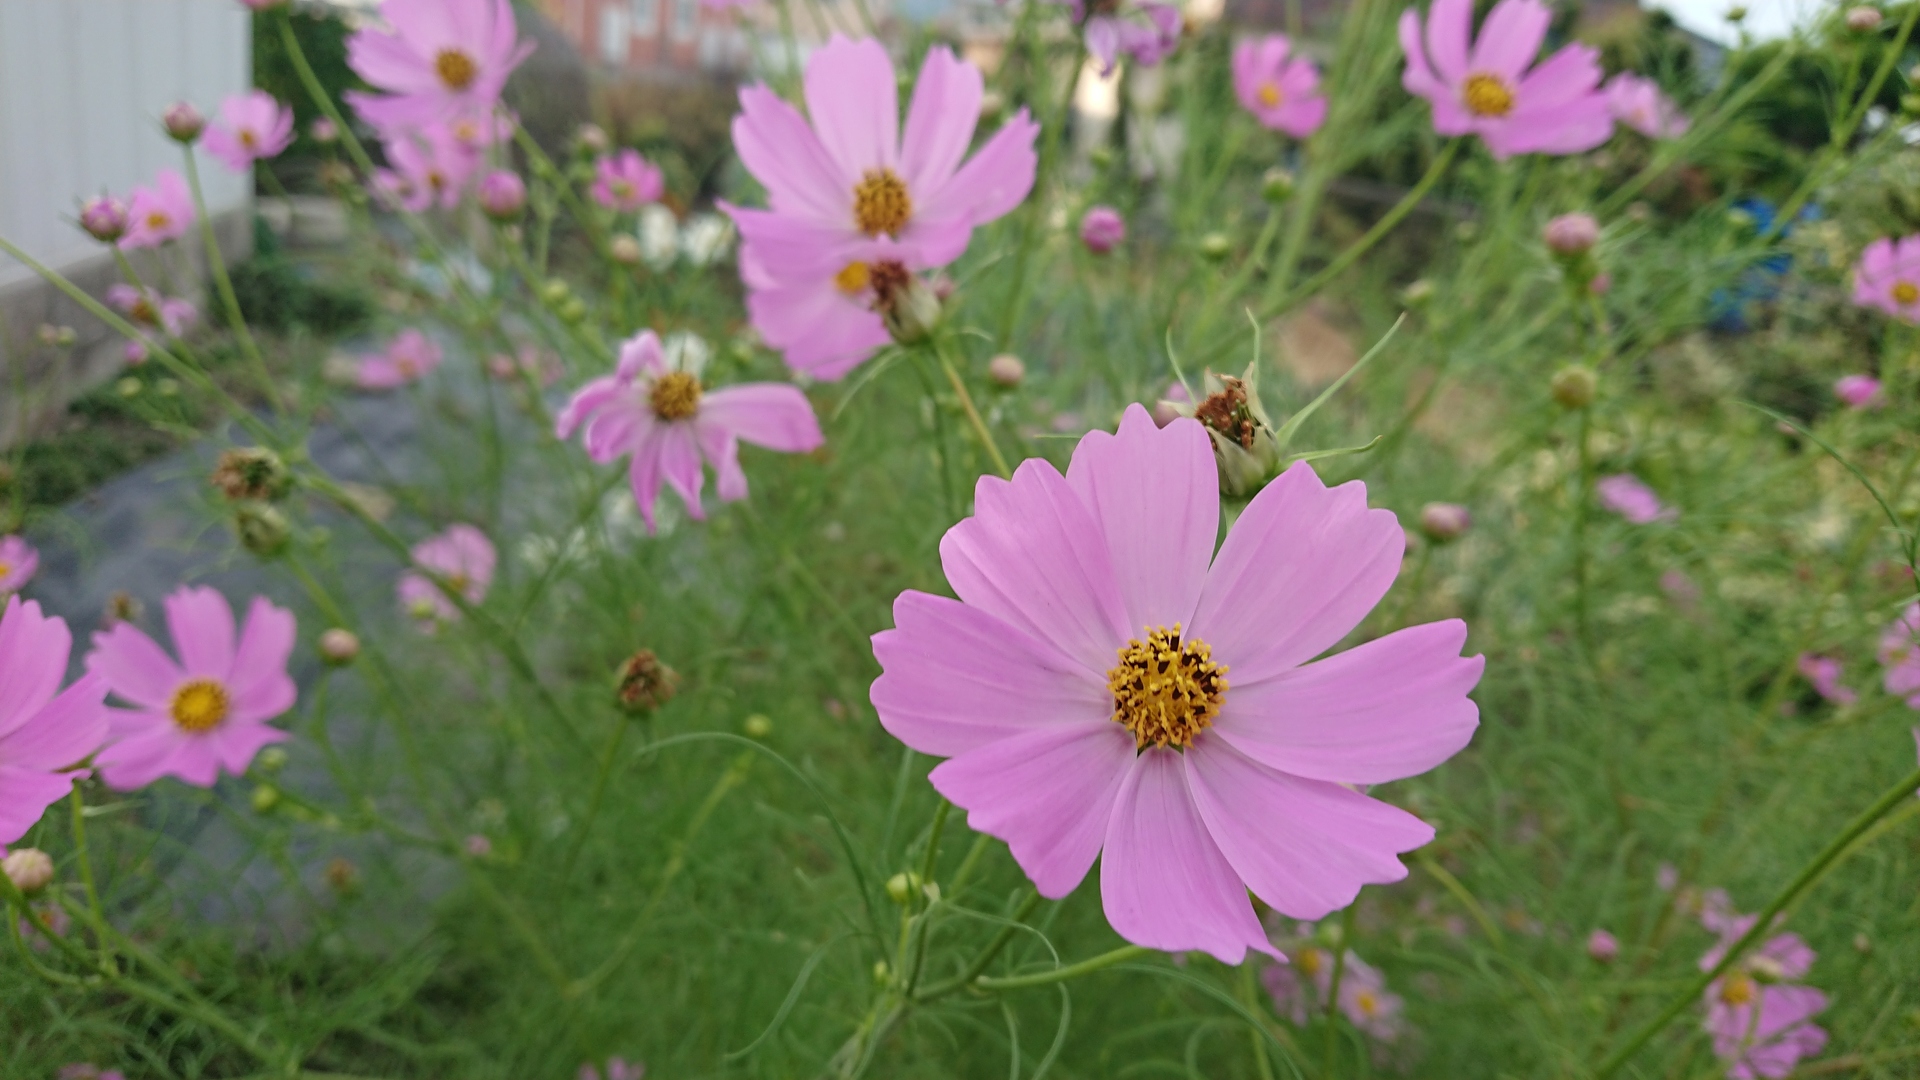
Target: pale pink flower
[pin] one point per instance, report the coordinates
(206, 713)
(440, 60)
(1824, 673)
(626, 181)
(1106, 686)
(1602, 946)
(44, 731)
(1494, 91)
(462, 559)
(1625, 495)
(252, 127)
(1281, 90)
(324, 130)
(104, 218)
(148, 308)
(617, 1069)
(659, 415)
(1888, 277)
(1364, 999)
(1900, 657)
(1146, 30)
(1638, 103)
(1859, 391)
(1763, 1030)
(1102, 229)
(430, 168)
(408, 358)
(502, 195)
(159, 213)
(823, 316)
(18, 561)
(1571, 234)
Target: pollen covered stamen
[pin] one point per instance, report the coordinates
(675, 396)
(1488, 95)
(200, 705)
(455, 68)
(1166, 691)
(1269, 95)
(853, 278)
(881, 203)
(1737, 990)
(1905, 292)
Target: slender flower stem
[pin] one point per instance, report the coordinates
(1250, 998)
(607, 758)
(1381, 228)
(1332, 1004)
(973, 414)
(223, 284)
(1582, 501)
(1071, 971)
(1828, 857)
(1052, 128)
(79, 804)
(986, 956)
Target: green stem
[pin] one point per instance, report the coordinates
(1052, 127)
(1332, 1004)
(79, 805)
(1372, 236)
(607, 758)
(986, 956)
(1250, 997)
(223, 284)
(973, 414)
(1071, 971)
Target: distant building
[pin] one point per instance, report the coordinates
(659, 36)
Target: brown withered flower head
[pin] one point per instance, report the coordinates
(643, 683)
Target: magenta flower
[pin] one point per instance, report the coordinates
(44, 731)
(206, 713)
(442, 59)
(617, 1069)
(159, 213)
(1571, 235)
(1761, 1030)
(1859, 391)
(1282, 91)
(625, 182)
(1625, 495)
(1888, 277)
(824, 315)
(1900, 657)
(252, 127)
(409, 357)
(324, 130)
(1824, 673)
(1490, 91)
(104, 218)
(148, 308)
(462, 558)
(1638, 103)
(659, 415)
(430, 168)
(18, 561)
(1146, 30)
(1102, 229)
(502, 195)
(1107, 686)
(1603, 946)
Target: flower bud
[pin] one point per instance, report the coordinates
(1862, 944)
(643, 684)
(1571, 235)
(266, 798)
(1443, 522)
(1863, 19)
(902, 886)
(477, 846)
(261, 529)
(908, 306)
(104, 218)
(339, 647)
(1236, 422)
(324, 130)
(1575, 386)
(592, 138)
(502, 195)
(342, 876)
(1276, 185)
(1910, 103)
(555, 291)
(992, 105)
(1216, 245)
(183, 123)
(758, 726)
(624, 249)
(1601, 285)
(1765, 969)
(572, 310)
(1602, 946)
(1006, 371)
(271, 760)
(1418, 293)
(1737, 14)
(1102, 229)
(252, 473)
(30, 869)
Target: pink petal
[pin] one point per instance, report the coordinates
(1163, 881)
(152, 749)
(1449, 28)
(1418, 78)
(940, 120)
(384, 61)
(1301, 568)
(773, 415)
(1567, 75)
(1303, 846)
(855, 106)
(1571, 128)
(585, 402)
(1510, 38)
(25, 795)
(235, 745)
(33, 660)
(137, 669)
(63, 733)
(721, 448)
(955, 678)
(201, 623)
(643, 475)
(992, 182)
(1156, 496)
(1391, 708)
(782, 152)
(680, 465)
(820, 330)
(261, 687)
(1048, 793)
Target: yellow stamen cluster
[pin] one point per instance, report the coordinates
(853, 278)
(1737, 990)
(1166, 691)
(881, 203)
(248, 139)
(1488, 95)
(1269, 95)
(455, 68)
(676, 396)
(200, 705)
(5, 569)
(1905, 292)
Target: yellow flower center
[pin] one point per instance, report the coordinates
(142, 312)
(676, 396)
(1269, 94)
(1487, 95)
(247, 139)
(1166, 691)
(5, 569)
(621, 189)
(1905, 292)
(1738, 990)
(853, 278)
(200, 705)
(881, 203)
(158, 220)
(455, 68)
(1367, 1003)
(458, 581)
(1308, 961)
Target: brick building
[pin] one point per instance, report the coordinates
(663, 36)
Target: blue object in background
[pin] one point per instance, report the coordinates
(1728, 308)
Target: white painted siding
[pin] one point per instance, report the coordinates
(82, 87)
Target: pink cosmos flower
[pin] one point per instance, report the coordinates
(1554, 108)
(1625, 495)
(1102, 229)
(44, 731)
(18, 561)
(1761, 1030)
(660, 416)
(1824, 673)
(442, 59)
(1107, 686)
(148, 308)
(430, 167)
(159, 213)
(502, 195)
(1280, 90)
(1364, 999)
(1638, 103)
(626, 181)
(617, 1069)
(409, 357)
(1901, 658)
(252, 126)
(823, 314)
(1603, 946)
(1888, 277)
(104, 218)
(1146, 30)
(463, 558)
(209, 711)
(1859, 391)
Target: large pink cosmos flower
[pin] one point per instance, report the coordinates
(1281, 90)
(463, 558)
(159, 213)
(1888, 277)
(206, 713)
(442, 59)
(44, 731)
(658, 415)
(252, 126)
(408, 358)
(626, 181)
(149, 308)
(18, 561)
(1638, 103)
(1490, 92)
(1108, 686)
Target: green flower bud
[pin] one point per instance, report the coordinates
(1575, 387)
(261, 529)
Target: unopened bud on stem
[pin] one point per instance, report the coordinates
(30, 869)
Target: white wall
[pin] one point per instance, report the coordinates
(82, 87)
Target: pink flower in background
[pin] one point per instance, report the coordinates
(324, 130)
(1490, 91)
(1888, 277)
(44, 730)
(1108, 687)
(1603, 946)
(822, 315)
(1859, 391)
(1102, 229)
(252, 127)
(462, 558)
(626, 181)
(159, 213)
(660, 416)
(1637, 102)
(1282, 91)
(148, 308)
(1625, 495)
(207, 712)
(442, 59)
(502, 195)
(430, 168)
(1167, 409)
(1824, 673)
(1900, 657)
(409, 357)
(1146, 30)
(104, 218)
(1364, 999)
(1761, 1030)
(18, 561)
(617, 1069)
